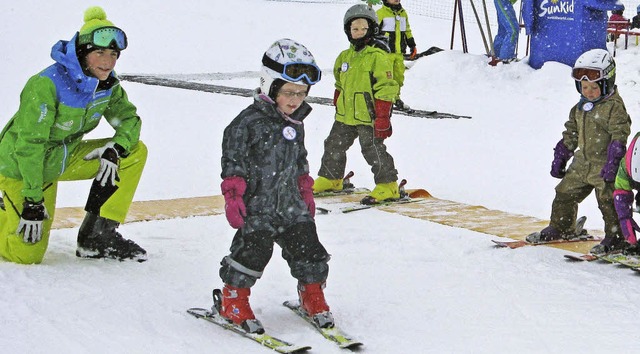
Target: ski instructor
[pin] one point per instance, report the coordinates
(42, 144)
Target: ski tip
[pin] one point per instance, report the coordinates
(420, 193)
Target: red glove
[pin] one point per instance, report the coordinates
(382, 124)
(305, 186)
(233, 189)
(414, 52)
(336, 94)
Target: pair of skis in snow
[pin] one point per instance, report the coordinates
(348, 188)
(616, 257)
(334, 334)
(580, 236)
(629, 261)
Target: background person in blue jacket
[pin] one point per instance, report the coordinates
(504, 44)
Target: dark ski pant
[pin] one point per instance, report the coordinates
(577, 184)
(250, 253)
(340, 139)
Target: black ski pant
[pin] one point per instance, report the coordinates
(251, 252)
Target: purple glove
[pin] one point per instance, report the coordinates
(561, 154)
(623, 201)
(233, 189)
(615, 152)
(305, 186)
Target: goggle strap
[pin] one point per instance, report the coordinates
(272, 64)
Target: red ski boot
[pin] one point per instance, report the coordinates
(233, 304)
(313, 303)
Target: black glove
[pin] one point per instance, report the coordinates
(31, 220)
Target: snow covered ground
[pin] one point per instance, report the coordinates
(400, 285)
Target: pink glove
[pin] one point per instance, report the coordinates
(382, 124)
(305, 186)
(233, 189)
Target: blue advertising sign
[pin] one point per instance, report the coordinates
(561, 30)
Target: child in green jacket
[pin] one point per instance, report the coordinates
(42, 144)
(365, 91)
(394, 24)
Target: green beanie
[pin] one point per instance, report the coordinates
(94, 18)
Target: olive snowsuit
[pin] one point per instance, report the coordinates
(590, 132)
(42, 144)
(268, 152)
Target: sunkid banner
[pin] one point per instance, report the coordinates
(561, 30)
(557, 9)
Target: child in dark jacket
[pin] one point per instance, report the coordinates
(268, 190)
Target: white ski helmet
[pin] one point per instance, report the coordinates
(287, 61)
(632, 160)
(595, 65)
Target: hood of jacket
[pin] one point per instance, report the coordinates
(64, 54)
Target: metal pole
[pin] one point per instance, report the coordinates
(453, 26)
(484, 39)
(486, 17)
(462, 29)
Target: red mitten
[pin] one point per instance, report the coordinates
(336, 94)
(233, 189)
(305, 186)
(414, 52)
(382, 124)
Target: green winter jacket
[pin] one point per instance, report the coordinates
(395, 26)
(58, 106)
(591, 132)
(361, 78)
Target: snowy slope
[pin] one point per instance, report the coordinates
(400, 285)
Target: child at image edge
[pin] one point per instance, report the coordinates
(597, 131)
(268, 190)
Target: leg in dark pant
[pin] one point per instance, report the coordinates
(375, 152)
(306, 256)
(249, 256)
(334, 159)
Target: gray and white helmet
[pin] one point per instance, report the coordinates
(361, 11)
(287, 61)
(595, 65)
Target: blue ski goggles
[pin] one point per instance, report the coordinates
(293, 71)
(105, 37)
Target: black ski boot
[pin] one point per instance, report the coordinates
(98, 238)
